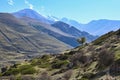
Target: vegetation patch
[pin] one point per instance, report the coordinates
(57, 64)
(117, 55)
(103, 38)
(23, 69)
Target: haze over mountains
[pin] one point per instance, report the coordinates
(31, 14)
(60, 40)
(27, 31)
(26, 34)
(30, 33)
(53, 28)
(95, 27)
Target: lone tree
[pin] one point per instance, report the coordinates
(81, 40)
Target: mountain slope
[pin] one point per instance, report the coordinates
(95, 27)
(73, 31)
(52, 31)
(99, 60)
(52, 18)
(18, 37)
(65, 33)
(60, 31)
(100, 27)
(74, 23)
(31, 14)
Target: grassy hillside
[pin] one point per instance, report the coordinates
(97, 60)
(18, 40)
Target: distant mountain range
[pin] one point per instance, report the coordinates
(52, 18)
(71, 30)
(29, 31)
(59, 30)
(100, 27)
(31, 14)
(95, 27)
(72, 23)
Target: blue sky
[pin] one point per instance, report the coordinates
(81, 10)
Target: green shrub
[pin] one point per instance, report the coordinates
(42, 62)
(27, 69)
(0, 74)
(63, 57)
(24, 67)
(36, 62)
(117, 55)
(58, 64)
(45, 65)
(88, 75)
(45, 57)
(12, 71)
(15, 71)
